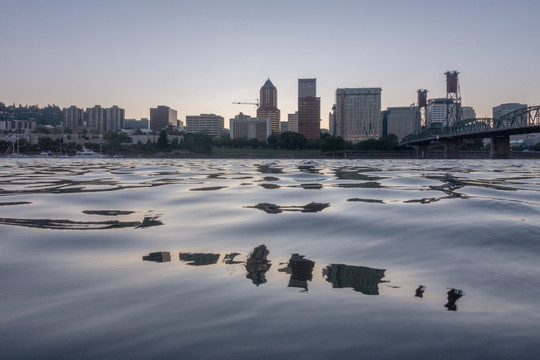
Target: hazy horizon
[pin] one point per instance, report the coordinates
(200, 57)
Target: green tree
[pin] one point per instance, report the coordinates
(163, 141)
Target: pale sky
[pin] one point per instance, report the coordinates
(200, 56)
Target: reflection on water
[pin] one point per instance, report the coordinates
(257, 265)
(301, 271)
(420, 291)
(444, 226)
(453, 296)
(276, 209)
(160, 256)
(363, 279)
(199, 259)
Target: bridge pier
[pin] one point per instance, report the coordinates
(500, 147)
(422, 151)
(451, 148)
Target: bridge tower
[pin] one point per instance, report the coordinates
(422, 109)
(453, 94)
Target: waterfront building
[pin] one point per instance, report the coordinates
(161, 117)
(467, 112)
(292, 122)
(504, 109)
(400, 121)
(94, 118)
(309, 109)
(113, 119)
(212, 124)
(73, 117)
(244, 126)
(436, 111)
(268, 105)
(284, 126)
(358, 114)
(136, 124)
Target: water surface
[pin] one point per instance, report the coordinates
(269, 258)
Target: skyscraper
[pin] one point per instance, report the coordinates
(268, 105)
(309, 109)
(73, 117)
(161, 117)
(358, 114)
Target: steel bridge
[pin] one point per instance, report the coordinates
(521, 121)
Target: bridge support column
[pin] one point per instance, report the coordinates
(422, 151)
(451, 148)
(500, 147)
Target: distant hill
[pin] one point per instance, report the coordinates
(48, 115)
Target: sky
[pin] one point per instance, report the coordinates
(201, 56)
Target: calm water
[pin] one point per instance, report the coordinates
(392, 259)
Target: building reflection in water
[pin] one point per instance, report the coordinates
(160, 256)
(257, 265)
(453, 296)
(199, 259)
(420, 291)
(301, 271)
(229, 258)
(363, 279)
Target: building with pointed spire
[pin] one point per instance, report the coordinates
(268, 105)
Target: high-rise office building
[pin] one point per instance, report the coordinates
(400, 121)
(212, 124)
(268, 105)
(292, 120)
(307, 88)
(74, 117)
(358, 114)
(309, 109)
(161, 117)
(244, 126)
(467, 112)
(504, 109)
(436, 111)
(113, 118)
(94, 118)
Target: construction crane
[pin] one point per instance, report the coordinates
(256, 103)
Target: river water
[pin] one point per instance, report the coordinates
(266, 259)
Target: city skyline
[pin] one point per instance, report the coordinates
(139, 55)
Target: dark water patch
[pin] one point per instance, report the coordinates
(375, 201)
(61, 224)
(356, 174)
(208, 188)
(276, 209)
(269, 169)
(309, 168)
(365, 185)
(270, 178)
(199, 259)
(10, 203)
(216, 176)
(270, 186)
(108, 212)
(309, 186)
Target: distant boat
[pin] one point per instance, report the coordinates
(87, 153)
